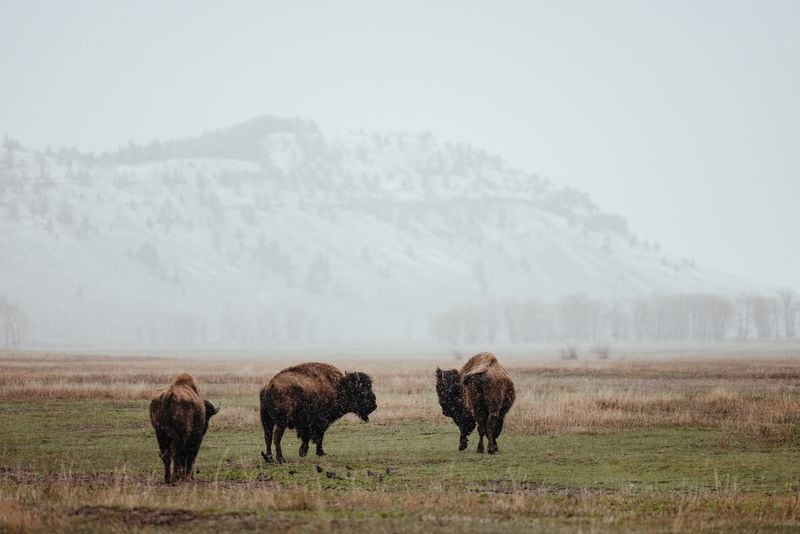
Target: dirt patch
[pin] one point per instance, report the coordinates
(510, 487)
(141, 517)
(106, 480)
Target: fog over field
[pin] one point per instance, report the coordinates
(307, 173)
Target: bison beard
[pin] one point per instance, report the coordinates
(481, 394)
(309, 397)
(180, 418)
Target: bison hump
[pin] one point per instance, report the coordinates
(316, 370)
(479, 363)
(185, 380)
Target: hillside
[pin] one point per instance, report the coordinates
(273, 231)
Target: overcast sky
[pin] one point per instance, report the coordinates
(684, 117)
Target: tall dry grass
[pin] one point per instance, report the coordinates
(759, 397)
(122, 503)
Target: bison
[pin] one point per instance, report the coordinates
(451, 399)
(480, 393)
(180, 418)
(310, 397)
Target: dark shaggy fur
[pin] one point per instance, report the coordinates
(451, 399)
(180, 417)
(484, 391)
(309, 397)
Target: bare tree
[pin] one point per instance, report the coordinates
(744, 312)
(789, 305)
(13, 323)
(764, 316)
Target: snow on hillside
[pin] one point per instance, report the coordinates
(272, 231)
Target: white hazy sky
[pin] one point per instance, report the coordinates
(682, 116)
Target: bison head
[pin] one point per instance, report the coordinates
(211, 411)
(355, 392)
(450, 392)
(448, 388)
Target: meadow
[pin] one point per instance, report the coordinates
(649, 441)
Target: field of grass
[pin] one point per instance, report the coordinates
(654, 444)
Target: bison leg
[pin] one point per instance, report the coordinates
(167, 458)
(481, 433)
(463, 442)
(318, 441)
(498, 426)
(491, 427)
(170, 465)
(268, 424)
(180, 463)
(304, 444)
(191, 455)
(279, 430)
(166, 454)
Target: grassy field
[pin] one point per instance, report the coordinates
(652, 444)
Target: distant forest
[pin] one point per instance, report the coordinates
(578, 318)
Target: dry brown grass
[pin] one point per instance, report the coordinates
(756, 397)
(129, 504)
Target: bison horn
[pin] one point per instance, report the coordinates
(211, 409)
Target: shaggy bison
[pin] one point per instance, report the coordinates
(451, 399)
(480, 393)
(310, 397)
(180, 417)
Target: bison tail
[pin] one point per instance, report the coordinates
(266, 419)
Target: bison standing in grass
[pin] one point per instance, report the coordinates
(180, 417)
(451, 399)
(310, 397)
(480, 393)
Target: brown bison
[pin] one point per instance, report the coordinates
(480, 393)
(180, 417)
(310, 397)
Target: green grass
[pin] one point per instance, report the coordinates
(99, 462)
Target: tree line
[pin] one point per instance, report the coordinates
(579, 318)
(14, 327)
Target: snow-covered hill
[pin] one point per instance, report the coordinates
(272, 231)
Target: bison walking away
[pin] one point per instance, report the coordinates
(310, 397)
(180, 418)
(481, 394)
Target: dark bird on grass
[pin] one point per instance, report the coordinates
(180, 418)
(309, 397)
(481, 393)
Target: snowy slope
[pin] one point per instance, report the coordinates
(272, 231)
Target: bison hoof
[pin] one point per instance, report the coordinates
(303, 452)
(267, 457)
(493, 451)
(280, 460)
(462, 445)
(321, 453)
(479, 450)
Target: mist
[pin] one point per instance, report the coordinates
(276, 173)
